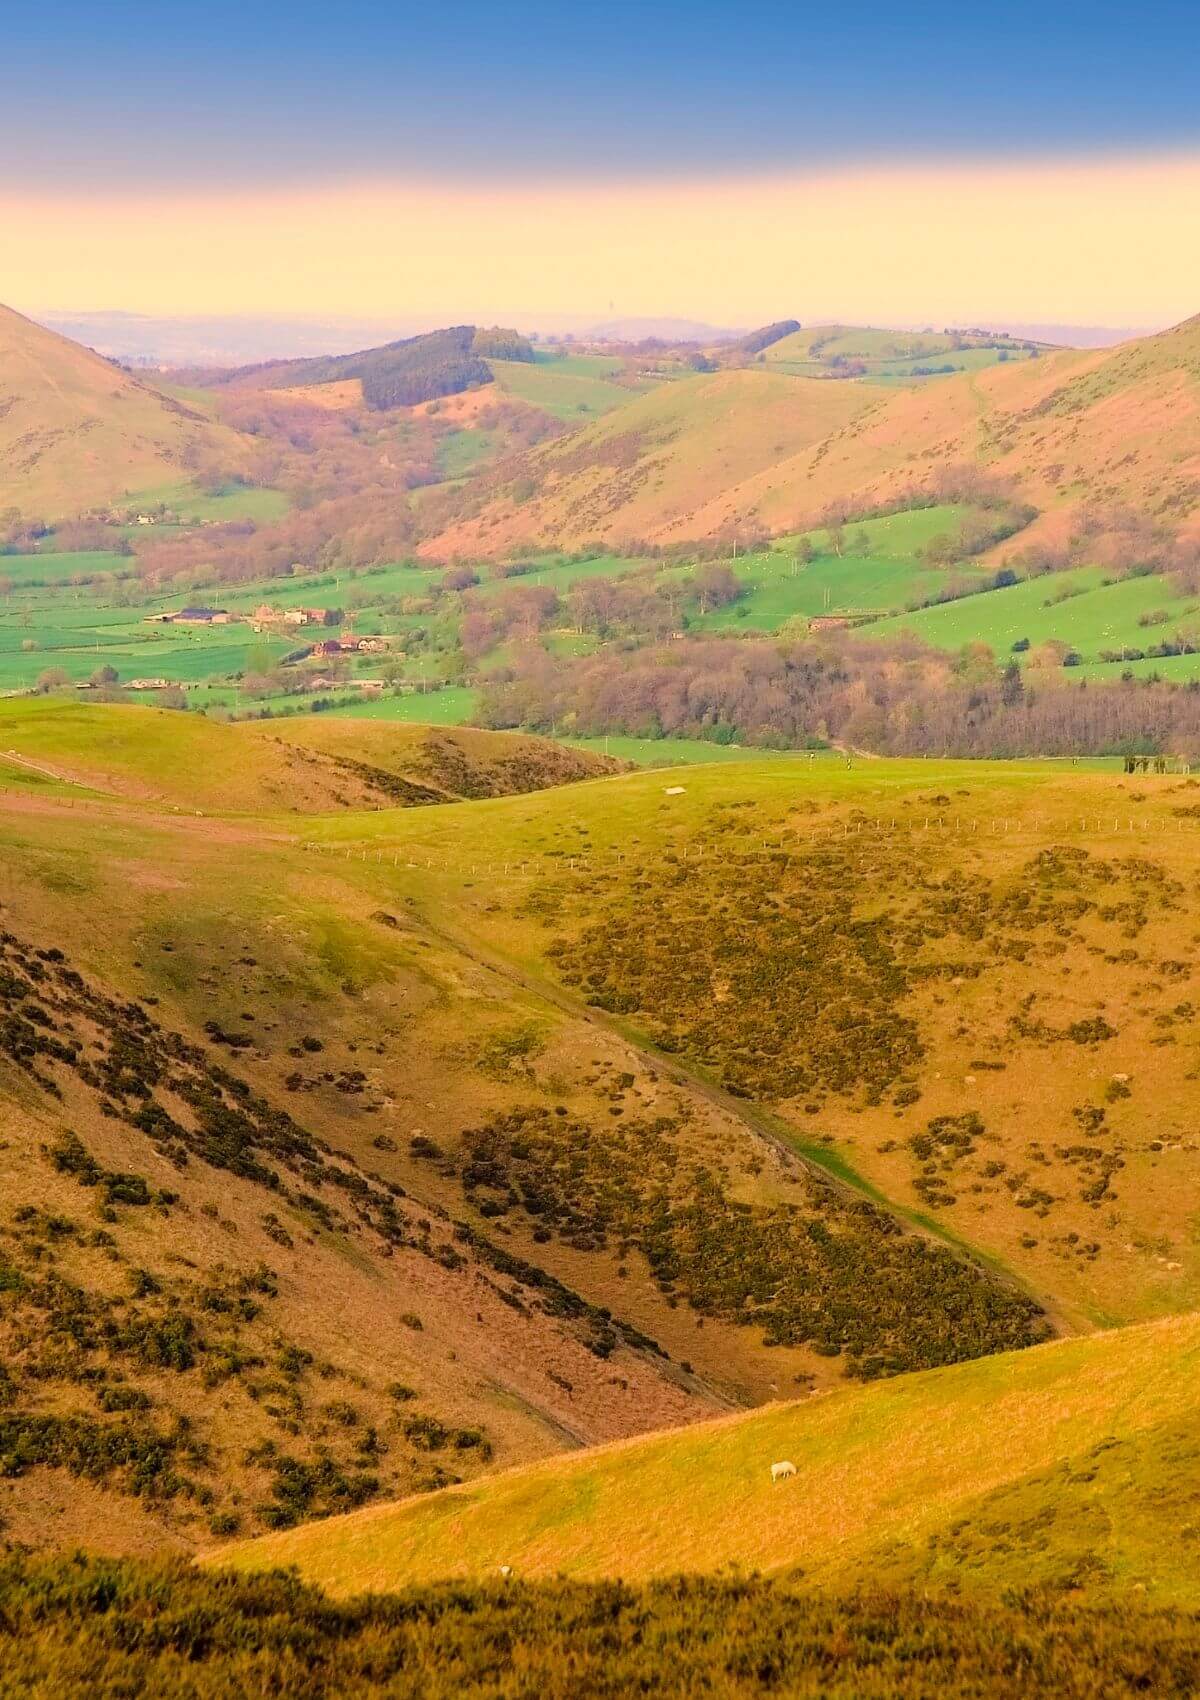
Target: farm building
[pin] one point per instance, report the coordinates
(201, 617)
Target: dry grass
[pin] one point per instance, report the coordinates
(895, 1461)
(76, 431)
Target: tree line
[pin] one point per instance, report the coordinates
(894, 698)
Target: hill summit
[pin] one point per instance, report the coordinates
(75, 430)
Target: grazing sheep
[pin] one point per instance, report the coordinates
(506, 1571)
(781, 1472)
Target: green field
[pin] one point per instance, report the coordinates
(451, 707)
(54, 567)
(462, 452)
(671, 752)
(889, 356)
(1101, 616)
(570, 386)
(559, 574)
(197, 507)
(887, 574)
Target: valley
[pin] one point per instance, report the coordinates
(408, 1104)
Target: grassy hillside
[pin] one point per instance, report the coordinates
(645, 469)
(899, 1463)
(398, 374)
(569, 386)
(75, 431)
(1111, 425)
(1084, 608)
(189, 997)
(704, 456)
(181, 760)
(648, 1097)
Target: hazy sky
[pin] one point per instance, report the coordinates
(730, 162)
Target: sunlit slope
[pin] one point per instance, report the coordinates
(165, 758)
(860, 351)
(1103, 424)
(759, 448)
(1120, 1516)
(646, 469)
(895, 1461)
(971, 983)
(75, 430)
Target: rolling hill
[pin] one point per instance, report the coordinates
(76, 431)
(386, 1143)
(974, 1473)
(840, 351)
(397, 374)
(307, 765)
(712, 456)
(647, 468)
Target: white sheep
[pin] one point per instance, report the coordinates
(780, 1472)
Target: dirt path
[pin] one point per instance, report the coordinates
(39, 767)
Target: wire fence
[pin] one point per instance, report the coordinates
(1128, 829)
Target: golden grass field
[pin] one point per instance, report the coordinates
(879, 1469)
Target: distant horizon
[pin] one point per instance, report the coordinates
(186, 339)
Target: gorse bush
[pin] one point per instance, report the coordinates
(103, 1629)
(833, 1271)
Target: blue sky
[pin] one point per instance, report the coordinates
(134, 93)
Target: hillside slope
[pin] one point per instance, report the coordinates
(413, 370)
(291, 1149)
(896, 1462)
(757, 449)
(183, 761)
(76, 431)
(645, 469)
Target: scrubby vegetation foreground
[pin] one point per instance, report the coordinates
(102, 1628)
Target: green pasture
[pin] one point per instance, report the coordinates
(778, 589)
(579, 365)
(568, 386)
(450, 707)
(559, 574)
(1101, 616)
(461, 452)
(673, 752)
(197, 507)
(894, 536)
(50, 567)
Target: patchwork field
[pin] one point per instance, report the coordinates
(889, 355)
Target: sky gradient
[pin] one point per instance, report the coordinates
(934, 162)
